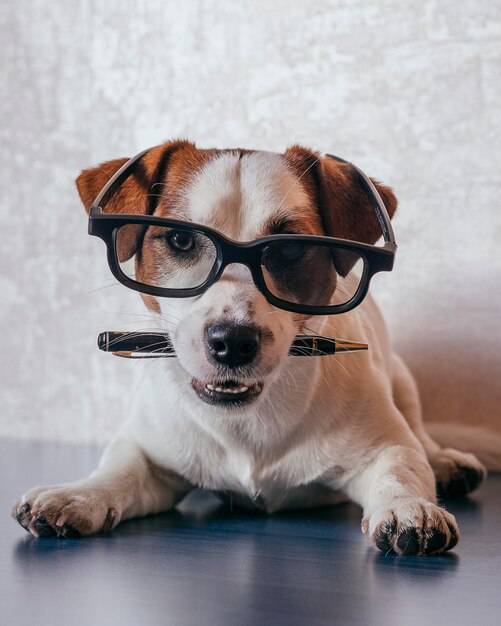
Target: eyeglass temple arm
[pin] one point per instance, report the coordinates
(119, 177)
(377, 202)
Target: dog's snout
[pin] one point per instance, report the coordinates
(232, 344)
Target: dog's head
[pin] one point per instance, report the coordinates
(230, 342)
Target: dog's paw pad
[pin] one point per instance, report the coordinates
(383, 538)
(69, 532)
(437, 541)
(22, 513)
(409, 541)
(454, 536)
(42, 528)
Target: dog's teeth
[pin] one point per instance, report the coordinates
(230, 389)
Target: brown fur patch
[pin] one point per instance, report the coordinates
(344, 207)
(183, 166)
(151, 302)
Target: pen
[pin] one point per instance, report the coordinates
(149, 345)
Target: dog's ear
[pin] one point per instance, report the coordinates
(344, 207)
(131, 197)
(92, 180)
(134, 196)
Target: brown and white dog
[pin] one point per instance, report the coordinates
(310, 431)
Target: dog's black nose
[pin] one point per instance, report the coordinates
(232, 344)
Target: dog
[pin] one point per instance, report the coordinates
(300, 432)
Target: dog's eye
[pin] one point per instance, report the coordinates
(180, 240)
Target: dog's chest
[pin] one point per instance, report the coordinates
(243, 479)
(237, 470)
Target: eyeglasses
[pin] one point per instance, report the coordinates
(301, 273)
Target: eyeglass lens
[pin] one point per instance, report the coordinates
(168, 258)
(311, 274)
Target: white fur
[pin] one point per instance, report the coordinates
(321, 428)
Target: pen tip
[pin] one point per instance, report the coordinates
(346, 344)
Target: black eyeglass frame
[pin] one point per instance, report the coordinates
(376, 258)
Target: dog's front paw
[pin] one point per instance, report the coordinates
(66, 511)
(412, 526)
(457, 473)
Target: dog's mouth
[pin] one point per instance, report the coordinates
(226, 393)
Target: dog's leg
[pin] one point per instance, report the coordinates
(456, 473)
(125, 485)
(397, 492)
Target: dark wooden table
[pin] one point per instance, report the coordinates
(204, 564)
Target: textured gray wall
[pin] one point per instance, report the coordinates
(410, 91)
